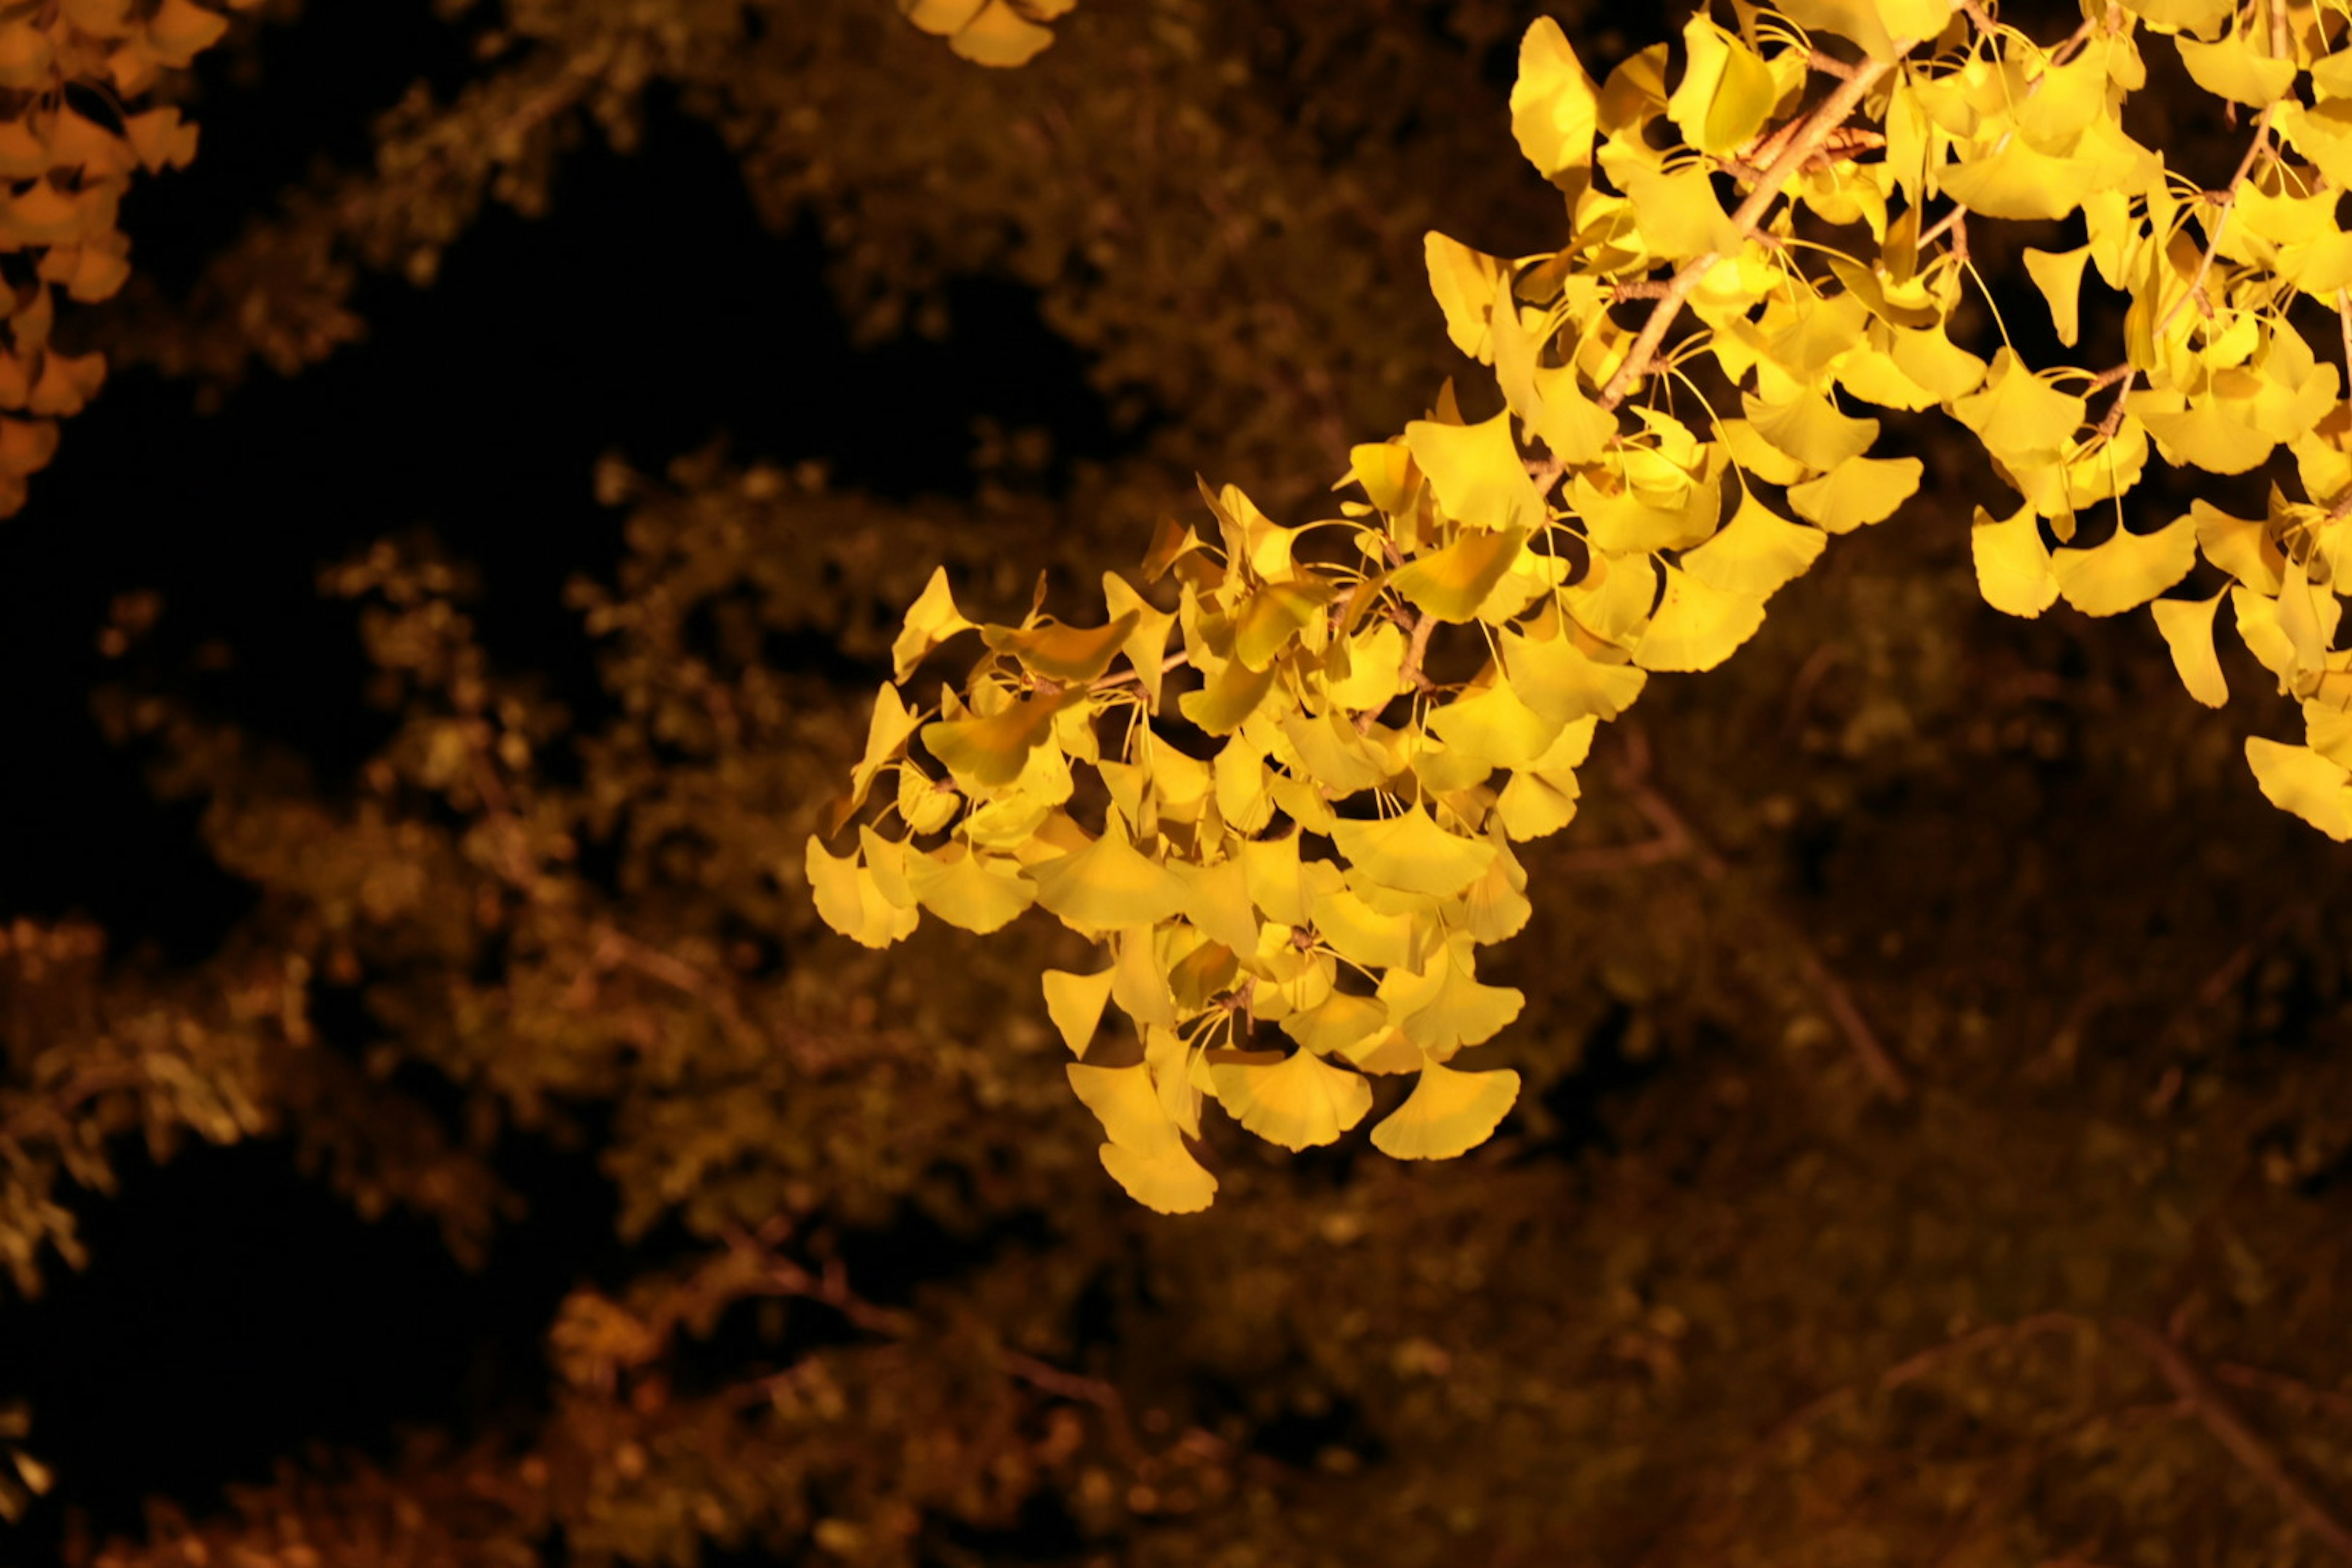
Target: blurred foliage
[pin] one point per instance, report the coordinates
(1712, 1294)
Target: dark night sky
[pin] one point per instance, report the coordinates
(233, 1313)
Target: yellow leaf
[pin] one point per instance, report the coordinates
(2013, 563)
(2021, 419)
(1494, 725)
(2187, 628)
(886, 733)
(1444, 1007)
(988, 754)
(1810, 430)
(1560, 680)
(1299, 1102)
(2299, 780)
(2198, 433)
(1108, 886)
(1451, 582)
(1075, 1003)
(1448, 1113)
(2176, 15)
(848, 899)
(1170, 1181)
(1360, 934)
(2233, 69)
(1073, 654)
(964, 890)
(1553, 105)
(931, 621)
(1857, 492)
(1725, 91)
(1464, 281)
(1231, 693)
(1272, 616)
(1146, 1155)
(1757, 553)
(1936, 363)
(1477, 473)
(1678, 214)
(2244, 547)
(2018, 182)
(2059, 276)
(1339, 1021)
(1756, 457)
(1335, 756)
(1697, 627)
(2128, 569)
(1412, 854)
(1856, 19)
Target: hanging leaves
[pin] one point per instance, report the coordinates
(1301, 840)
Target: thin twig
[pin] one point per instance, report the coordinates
(1800, 147)
(2225, 202)
(2221, 1419)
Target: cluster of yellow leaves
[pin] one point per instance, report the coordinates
(991, 32)
(1314, 836)
(69, 145)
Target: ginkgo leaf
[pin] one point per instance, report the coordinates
(1170, 1182)
(1858, 492)
(1126, 1103)
(1075, 1003)
(2200, 17)
(1231, 694)
(1272, 616)
(1495, 726)
(1339, 758)
(848, 899)
(2127, 570)
(1810, 430)
(1299, 1101)
(1449, 1113)
(1147, 645)
(931, 621)
(2018, 182)
(2013, 563)
(2021, 418)
(2231, 68)
(1936, 363)
(1695, 626)
(2300, 779)
(1757, 553)
(1451, 584)
(1464, 281)
(1217, 902)
(1412, 854)
(1678, 214)
(1553, 106)
(925, 803)
(1726, 90)
(1443, 1007)
(2187, 628)
(1109, 885)
(887, 731)
(1339, 1021)
(1477, 473)
(1362, 934)
(2244, 547)
(1858, 20)
(1560, 680)
(2059, 276)
(2199, 433)
(1073, 654)
(987, 755)
(967, 889)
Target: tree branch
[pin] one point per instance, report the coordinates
(2219, 1417)
(1816, 130)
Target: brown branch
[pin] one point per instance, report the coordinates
(2221, 1419)
(1677, 839)
(1800, 146)
(2294, 1391)
(2225, 202)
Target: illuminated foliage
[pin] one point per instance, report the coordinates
(1592, 536)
